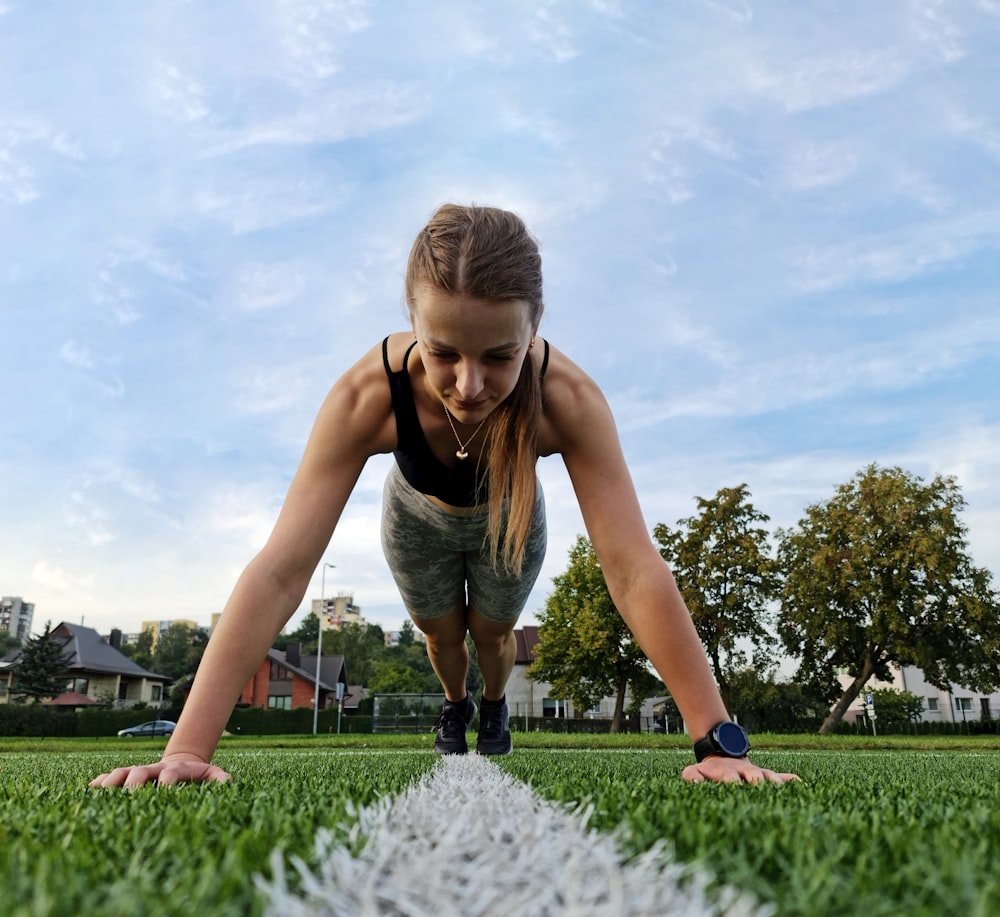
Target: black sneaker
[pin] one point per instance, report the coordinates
(451, 726)
(494, 736)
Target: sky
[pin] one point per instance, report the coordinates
(770, 232)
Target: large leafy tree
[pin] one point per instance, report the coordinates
(140, 652)
(880, 575)
(41, 669)
(723, 564)
(585, 651)
(179, 649)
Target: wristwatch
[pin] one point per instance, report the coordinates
(727, 739)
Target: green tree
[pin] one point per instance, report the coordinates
(722, 562)
(895, 710)
(41, 669)
(306, 635)
(8, 642)
(179, 649)
(585, 651)
(407, 634)
(140, 652)
(361, 645)
(879, 576)
(763, 704)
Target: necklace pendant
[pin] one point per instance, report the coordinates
(462, 454)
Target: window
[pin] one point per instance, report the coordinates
(554, 708)
(963, 704)
(932, 704)
(280, 702)
(156, 692)
(77, 685)
(279, 672)
(984, 709)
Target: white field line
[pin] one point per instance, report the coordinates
(468, 840)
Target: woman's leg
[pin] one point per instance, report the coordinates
(495, 652)
(447, 650)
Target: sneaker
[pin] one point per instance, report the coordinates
(494, 736)
(451, 726)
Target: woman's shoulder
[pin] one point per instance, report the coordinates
(572, 402)
(358, 406)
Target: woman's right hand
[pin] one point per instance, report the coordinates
(179, 768)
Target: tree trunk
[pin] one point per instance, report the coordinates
(851, 692)
(618, 716)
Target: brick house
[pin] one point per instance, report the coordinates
(285, 680)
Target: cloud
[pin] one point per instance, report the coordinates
(816, 165)
(829, 79)
(178, 95)
(911, 250)
(332, 116)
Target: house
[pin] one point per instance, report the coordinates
(529, 698)
(956, 704)
(94, 669)
(285, 680)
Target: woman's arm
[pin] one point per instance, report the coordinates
(354, 423)
(580, 426)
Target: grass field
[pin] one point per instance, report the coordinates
(876, 828)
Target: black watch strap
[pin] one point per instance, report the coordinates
(727, 739)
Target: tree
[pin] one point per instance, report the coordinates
(140, 652)
(41, 669)
(584, 649)
(895, 710)
(764, 704)
(179, 649)
(406, 634)
(8, 642)
(722, 562)
(880, 576)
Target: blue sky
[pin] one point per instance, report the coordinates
(770, 232)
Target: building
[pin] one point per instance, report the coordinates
(956, 704)
(94, 670)
(336, 611)
(157, 627)
(529, 698)
(286, 680)
(16, 616)
(391, 637)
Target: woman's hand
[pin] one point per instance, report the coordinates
(179, 768)
(732, 770)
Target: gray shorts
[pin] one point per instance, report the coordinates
(441, 561)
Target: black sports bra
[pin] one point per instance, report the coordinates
(462, 485)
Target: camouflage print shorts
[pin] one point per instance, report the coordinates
(441, 560)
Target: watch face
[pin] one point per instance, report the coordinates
(732, 740)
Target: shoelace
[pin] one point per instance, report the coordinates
(450, 719)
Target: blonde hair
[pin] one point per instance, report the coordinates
(488, 254)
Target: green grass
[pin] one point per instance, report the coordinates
(875, 831)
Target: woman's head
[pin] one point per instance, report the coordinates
(481, 252)
(474, 285)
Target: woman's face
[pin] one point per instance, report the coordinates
(472, 349)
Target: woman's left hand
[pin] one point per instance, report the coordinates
(733, 770)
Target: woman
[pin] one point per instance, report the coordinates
(467, 403)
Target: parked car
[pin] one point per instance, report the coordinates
(152, 728)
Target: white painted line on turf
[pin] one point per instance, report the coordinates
(468, 840)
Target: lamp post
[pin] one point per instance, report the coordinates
(319, 641)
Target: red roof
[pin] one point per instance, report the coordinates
(525, 639)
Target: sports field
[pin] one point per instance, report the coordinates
(369, 825)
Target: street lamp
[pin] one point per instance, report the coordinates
(319, 641)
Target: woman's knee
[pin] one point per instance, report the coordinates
(445, 631)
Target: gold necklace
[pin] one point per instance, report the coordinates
(462, 452)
